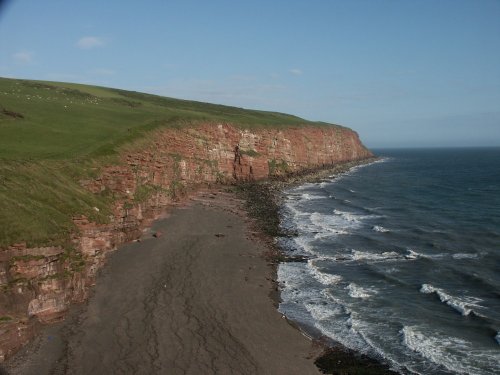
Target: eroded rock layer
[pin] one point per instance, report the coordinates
(39, 284)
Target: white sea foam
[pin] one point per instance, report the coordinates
(356, 168)
(307, 185)
(331, 223)
(328, 317)
(364, 255)
(464, 256)
(456, 354)
(321, 225)
(330, 233)
(303, 243)
(347, 216)
(371, 333)
(322, 277)
(357, 256)
(292, 277)
(412, 254)
(341, 222)
(336, 321)
(379, 228)
(292, 205)
(357, 218)
(344, 333)
(295, 213)
(355, 291)
(329, 314)
(328, 279)
(309, 197)
(391, 270)
(464, 305)
(320, 312)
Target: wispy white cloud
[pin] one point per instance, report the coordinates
(23, 57)
(89, 42)
(295, 71)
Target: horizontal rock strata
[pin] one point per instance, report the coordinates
(38, 284)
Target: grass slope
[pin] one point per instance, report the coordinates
(53, 134)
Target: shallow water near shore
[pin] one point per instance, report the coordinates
(403, 259)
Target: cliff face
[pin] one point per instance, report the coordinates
(38, 284)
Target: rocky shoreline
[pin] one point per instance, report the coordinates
(263, 201)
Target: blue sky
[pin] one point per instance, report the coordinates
(401, 73)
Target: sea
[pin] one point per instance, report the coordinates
(403, 259)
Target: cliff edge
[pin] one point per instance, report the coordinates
(38, 283)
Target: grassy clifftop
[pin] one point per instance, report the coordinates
(48, 120)
(54, 134)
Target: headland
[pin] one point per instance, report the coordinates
(90, 193)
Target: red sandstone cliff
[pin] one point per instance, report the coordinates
(38, 284)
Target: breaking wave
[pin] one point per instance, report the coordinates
(322, 277)
(378, 243)
(379, 228)
(464, 305)
(356, 291)
(455, 354)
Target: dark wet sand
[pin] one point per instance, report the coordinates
(188, 302)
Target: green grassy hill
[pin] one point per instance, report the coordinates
(53, 134)
(48, 120)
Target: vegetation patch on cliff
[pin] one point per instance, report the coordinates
(54, 135)
(249, 152)
(278, 167)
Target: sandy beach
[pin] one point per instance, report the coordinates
(195, 299)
